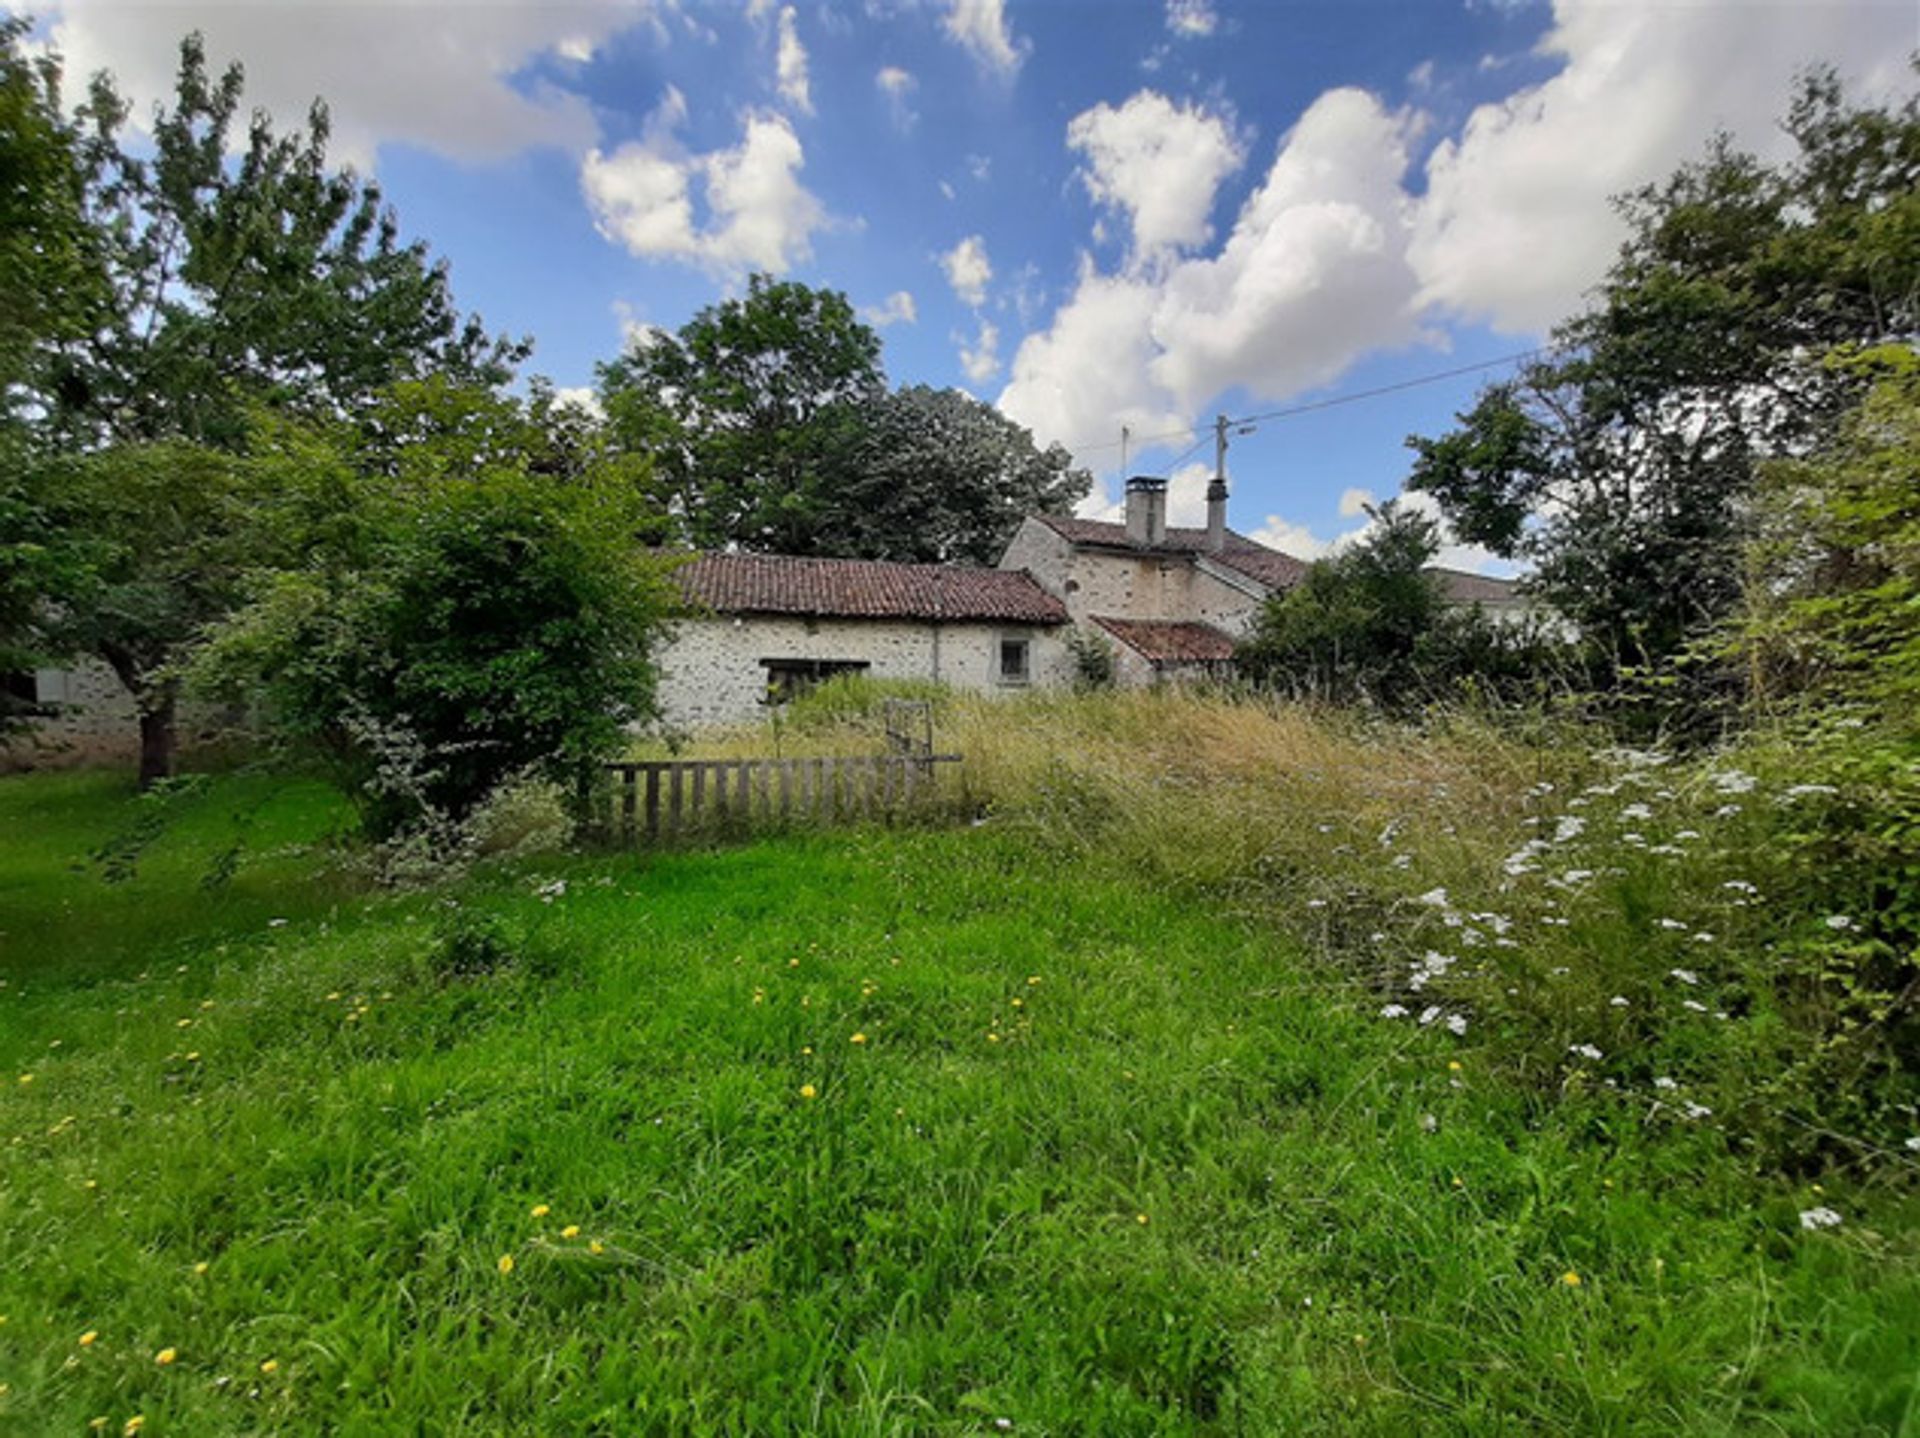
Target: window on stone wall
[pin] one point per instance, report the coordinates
(1014, 656)
(788, 679)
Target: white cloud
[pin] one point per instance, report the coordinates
(898, 308)
(981, 359)
(1158, 162)
(1515, 225)
(580, 397)
(968, 270)
(790, 64)
(1312, 274)
(898, 86)
(980, 26)
(1191, 19)
(406, 74)
(1300, 541)
(759, 215)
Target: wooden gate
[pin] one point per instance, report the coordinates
(662, 800)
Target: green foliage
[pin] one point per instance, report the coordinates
(753, 412)
(944, 478)
(436, 636)
(1094, 661)
(1344, 1235)
(1623, 465)
(771, 428)
(1372, 625)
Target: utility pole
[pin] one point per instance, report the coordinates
(1125, 435)
(1217, 491)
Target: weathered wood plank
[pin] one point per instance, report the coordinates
(653, 803)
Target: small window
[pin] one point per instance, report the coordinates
(788, 679)
(1013, 661)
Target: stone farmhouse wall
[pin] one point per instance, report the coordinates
(712, 672)
(94, 722)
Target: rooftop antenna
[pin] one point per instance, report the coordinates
(1125, 435)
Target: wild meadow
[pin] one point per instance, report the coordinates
(1200, 1066)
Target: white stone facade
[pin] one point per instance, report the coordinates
(715, 671)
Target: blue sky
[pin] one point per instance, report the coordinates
(1091, 214)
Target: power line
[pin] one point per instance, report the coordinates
(1147, 441)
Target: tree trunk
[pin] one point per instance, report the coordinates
(157, 737)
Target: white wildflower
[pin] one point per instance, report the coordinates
(1695, 1111)
(1686, 835)
(1817, 1218)
(1394, 1011)
(1618, 1001)
(1429, 1014)
(1570, 827)
(1686, 976)
(1665, 1083)
(1732, 781)
(1636, 811)
(1586, 1051)
(1801, 791)
(1674, 924)
(1703, 937)
(1914, 1143)
(1839, 922)
(1457, 1025)
(1726, 811)
(1740, 886)
(1693, 1004)
(1402, 861)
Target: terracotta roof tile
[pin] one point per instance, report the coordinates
(1464, 588)
(1170, 641)
(864, 589)
(1246, 556)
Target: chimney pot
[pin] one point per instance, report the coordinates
(1147, 510)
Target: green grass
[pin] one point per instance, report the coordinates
(1342, 1233)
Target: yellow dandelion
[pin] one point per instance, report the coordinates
(1033, 980)
(857, 1039)
(89, 1338)
(992, 1037)
(1141, 1219)
(194, 1057)
(206, 1003)
(183, 1023)
(572, 1230)
(165, 1356)
(333, 997)
(1570, 1278)
(793, 963)
(506, 1263)
(1458, 1182)
(200, 1267)
(1019, 1003)
(98, 1425)
(26, 1078)
(270, 1365)
(806, 1050)
(1454, 1065)
(807, 1090)
(596, 1246)
(134, 1425)
(540, 1210)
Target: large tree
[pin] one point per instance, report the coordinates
(1622, 465)
(945, 478)
(754, 413)
(234, 276)
(771, 428)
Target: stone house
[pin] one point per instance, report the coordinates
(1170, 602)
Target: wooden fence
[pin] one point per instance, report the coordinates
(661, 800)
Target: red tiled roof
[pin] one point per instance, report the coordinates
(1169, 641)
(1463, 588)
(1246, 556)
(864, 589)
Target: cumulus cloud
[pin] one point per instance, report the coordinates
(1312, 274)
(897, 308)
(968, 270)
(1191, 19)
(390, 73)
(1301, 542)
(1338, 252)
(758, 214)
(1515, 224)
(790, 64)
(1158, 163)
(981, 359)
(980, 27)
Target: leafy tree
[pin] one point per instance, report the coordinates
(48, 285)
(1350, 628)
(227, 286)
(1623, 465)
(754, 413)
(446, 620)
(944, 477)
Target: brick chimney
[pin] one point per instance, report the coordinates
(1216, 515)
(1147, 510)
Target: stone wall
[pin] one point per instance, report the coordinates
(712, 672)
